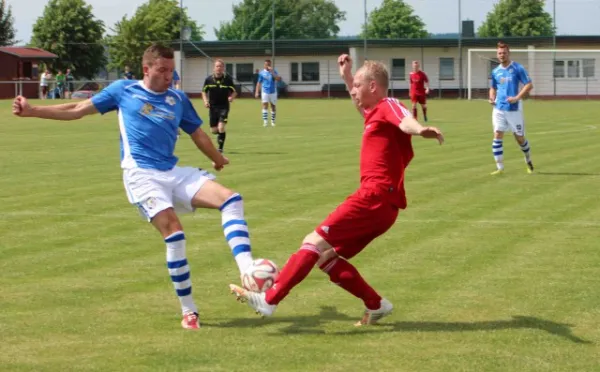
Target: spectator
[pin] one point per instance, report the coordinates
(60, 84)
(128, 74)
(70, 86)
(46, 75)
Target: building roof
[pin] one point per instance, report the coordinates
(28, 52)
(283, 47)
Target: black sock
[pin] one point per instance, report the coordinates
(221, 140)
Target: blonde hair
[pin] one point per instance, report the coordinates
(376, 71)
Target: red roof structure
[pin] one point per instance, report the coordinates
(28, 52)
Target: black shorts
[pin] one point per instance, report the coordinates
(218, 114)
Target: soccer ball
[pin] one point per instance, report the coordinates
(260, 276)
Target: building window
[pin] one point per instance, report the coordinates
(229, 69)
(589, 68)
(398, 69)
(244, 73)
(575, 68)
(446, 68)
(295, 71)
(559, 69)
(305, 72)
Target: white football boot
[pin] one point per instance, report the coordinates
(373, 316)
(255, 300)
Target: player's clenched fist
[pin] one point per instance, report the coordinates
(219, 166)
(21, 107)
(345, 63)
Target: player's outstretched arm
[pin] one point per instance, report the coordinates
(411, 126)
(205, 144)
(66, 111)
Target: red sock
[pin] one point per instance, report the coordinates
(425, 111)
(415, 112)
(342, 273)
(295, 270)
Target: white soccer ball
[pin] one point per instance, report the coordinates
(260, 276)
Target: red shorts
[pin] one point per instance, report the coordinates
(362, 217)
(420, 98)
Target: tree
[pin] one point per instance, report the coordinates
(517, 18)
(294, 19)
(7, 28)
(154, 21)
(69, 29)
(394, 19)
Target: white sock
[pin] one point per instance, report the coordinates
(526, 151)
(236, 232)
(265, 114)
(498, 152)
(179, 270)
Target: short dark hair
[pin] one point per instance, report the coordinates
(268, 60)
(502, 45)
(156, 51)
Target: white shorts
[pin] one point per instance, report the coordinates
(509, 121)
(153, 191)
(269, 98)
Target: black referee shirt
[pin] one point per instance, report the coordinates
(218, 89)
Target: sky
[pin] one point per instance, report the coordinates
(574, 17)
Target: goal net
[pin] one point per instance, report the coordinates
(556, 73)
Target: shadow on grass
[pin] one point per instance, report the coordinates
(309, 324)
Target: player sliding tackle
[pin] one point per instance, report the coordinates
(368, 213)
(150, 114)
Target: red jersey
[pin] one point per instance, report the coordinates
(385, 151)
(417, 83)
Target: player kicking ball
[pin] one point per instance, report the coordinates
(150, 114)
(386, 151)
(506, 98)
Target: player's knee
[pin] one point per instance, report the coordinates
(317, 240)
(326, 256)
(520, 139)
(167, 222)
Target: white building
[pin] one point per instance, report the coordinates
(309, 67)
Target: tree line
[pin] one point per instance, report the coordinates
(69, 29)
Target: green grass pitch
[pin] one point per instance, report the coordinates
(486, 274)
